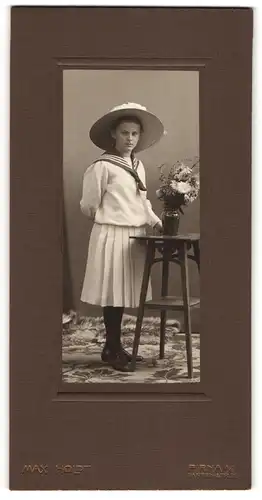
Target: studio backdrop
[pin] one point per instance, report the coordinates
(174, 97)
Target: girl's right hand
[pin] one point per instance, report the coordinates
(158, 227)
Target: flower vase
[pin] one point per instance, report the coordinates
(170, 221)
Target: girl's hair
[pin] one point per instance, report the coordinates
(130, 118)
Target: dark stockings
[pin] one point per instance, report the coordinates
(112, 319)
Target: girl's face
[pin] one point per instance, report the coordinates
(126, 137)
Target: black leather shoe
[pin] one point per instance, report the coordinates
(106, 354)
(117, 360)
(129, 356)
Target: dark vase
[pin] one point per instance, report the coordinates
(170, 221)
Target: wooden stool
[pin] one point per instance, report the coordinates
(173, 249)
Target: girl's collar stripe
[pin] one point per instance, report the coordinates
(119, 159)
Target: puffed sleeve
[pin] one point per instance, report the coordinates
(153, 219)
(94, 187)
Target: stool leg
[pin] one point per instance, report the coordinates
(148, 264)
(197, 253)
(187, 317)
(164, 292)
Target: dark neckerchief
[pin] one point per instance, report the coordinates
(119, 161)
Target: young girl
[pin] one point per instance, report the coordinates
(114, 197)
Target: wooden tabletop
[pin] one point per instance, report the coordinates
(178, 237)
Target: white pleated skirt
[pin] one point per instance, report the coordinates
(115, 265)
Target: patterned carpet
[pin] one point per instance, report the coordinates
(83, 340)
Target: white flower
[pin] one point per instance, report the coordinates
(173, 185)
(180, 187)
(183, 187)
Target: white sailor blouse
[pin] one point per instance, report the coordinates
(111, 195)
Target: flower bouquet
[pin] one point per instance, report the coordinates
(179, 187)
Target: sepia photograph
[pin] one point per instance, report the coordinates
(130, 150)
(131, 228)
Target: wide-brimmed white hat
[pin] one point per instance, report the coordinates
(153, 129)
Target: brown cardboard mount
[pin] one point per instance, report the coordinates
(160, 436)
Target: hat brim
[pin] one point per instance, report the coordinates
(153, 129)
